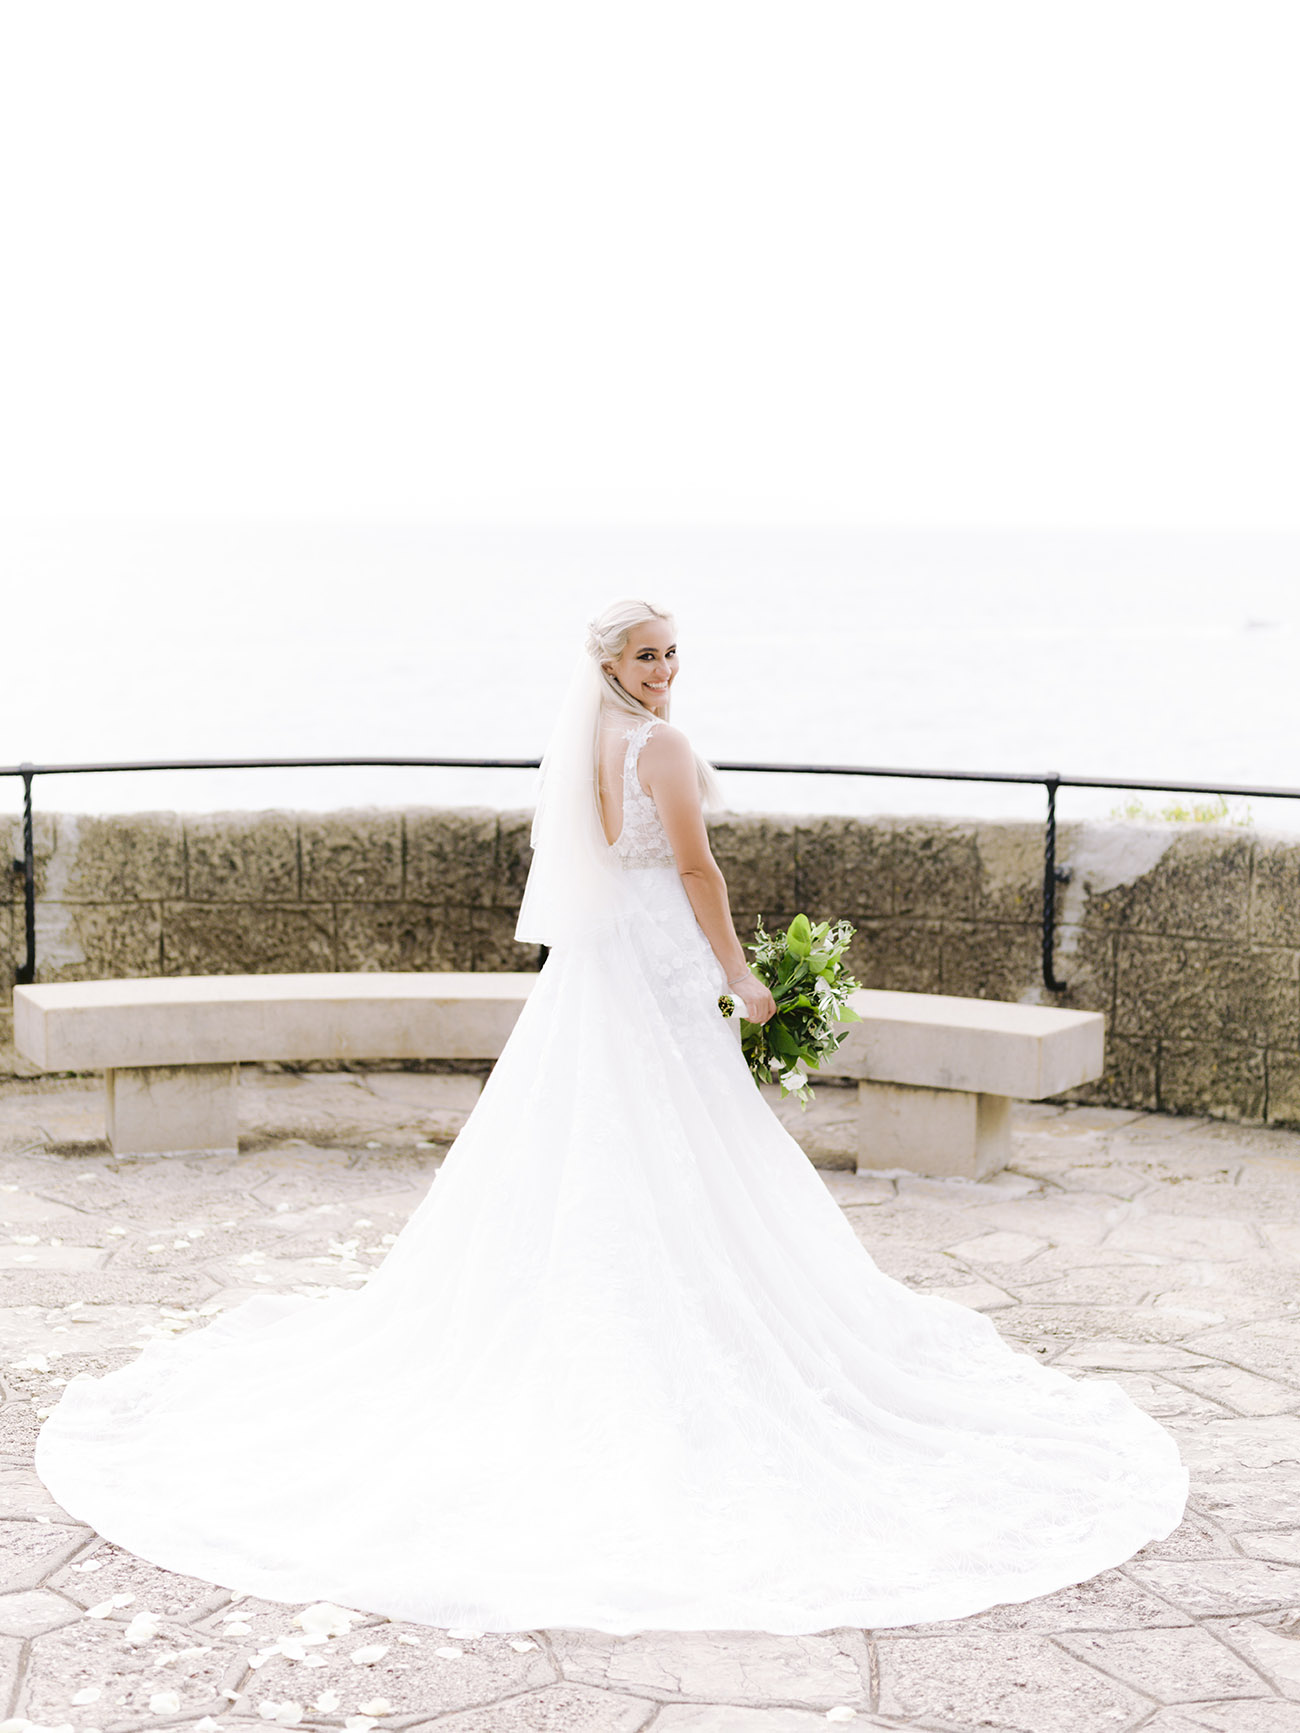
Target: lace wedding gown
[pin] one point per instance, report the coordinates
(626, 1367)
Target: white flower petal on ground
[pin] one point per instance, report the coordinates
(90, 1564)
(367, 1656)
(406, 1637)
(324, 1619)
(31, 1363)
(449, 1654)
(521, 1645)
(292, 1648)
(115, 1230)
(376, 1706)
(358, 1724)
(464, 1633)
(104, 1608)
(207, 1725)
(165, 1703)
(841, 1712)
(327, 1701)
(89, 1694)
(142, 1629)
(314, 1661)
(239, 1628)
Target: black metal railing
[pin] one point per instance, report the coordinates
(1050, 781)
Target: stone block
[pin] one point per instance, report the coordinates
(1010, 858)
(933, 1041)
(1199, 886)
(939, 1132)
(241, 857)
(1215, 1078)
(1188, 989)
(989, 960)
(451, 856)
(842, 868)
(404, 936)
(1129, 1078)
(514, 857)
(1084, 961)
(13, 945)
(137, 856)
(898, 956)
(935, 868)
(246, 938)
(218, 1020)
(43, 844)
(351, 856)
(1275, 907)
(494, 943)
(1283, 1101)
(165, 1109)
(88, 941)
(756, 853)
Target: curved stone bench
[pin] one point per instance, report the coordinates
(936, 1075)
(170, 1048)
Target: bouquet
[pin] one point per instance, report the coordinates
(803, 970)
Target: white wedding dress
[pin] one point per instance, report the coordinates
(626, 1367)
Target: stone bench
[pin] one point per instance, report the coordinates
(936, 1075)
(170, 1048)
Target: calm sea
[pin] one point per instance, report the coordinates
(1128, 654)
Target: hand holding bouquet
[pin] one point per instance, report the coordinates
(804, 971)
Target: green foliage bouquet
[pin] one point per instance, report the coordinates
(803, 969)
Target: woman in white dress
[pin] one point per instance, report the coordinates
(627, 1366)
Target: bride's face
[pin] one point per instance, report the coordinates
(647, 666)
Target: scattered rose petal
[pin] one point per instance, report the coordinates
(841, 1712)
(142, 1629)
(406, 1637)
(367, 1656)
(165, 1703)
(106, 1607)
(207, 1725)
(449, 1654)
(314, 1661)
(31, 1363)
(464, 1633)
(89, 1695)
(376, 1706)
(521, 1645)
(326, 1701)
(116, 1230)
(239, 1628)
(90, 1564)
(324, 1619)
(358, 1724)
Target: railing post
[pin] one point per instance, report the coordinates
(1049, 890)
(27, 969)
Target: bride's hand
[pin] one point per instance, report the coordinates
(754, 996)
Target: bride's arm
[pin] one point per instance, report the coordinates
(666, 769)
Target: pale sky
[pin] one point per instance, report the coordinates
(917, 262)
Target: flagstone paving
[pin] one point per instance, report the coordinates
(1159, 1252)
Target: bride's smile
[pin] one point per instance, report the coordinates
(647, 665)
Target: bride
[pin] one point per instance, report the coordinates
(627, 1366)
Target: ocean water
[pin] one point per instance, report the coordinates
(1139, 654)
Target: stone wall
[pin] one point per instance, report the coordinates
(1187, 937)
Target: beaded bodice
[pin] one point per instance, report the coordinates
(642, 842)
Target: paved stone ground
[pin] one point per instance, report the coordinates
(1157, 1251)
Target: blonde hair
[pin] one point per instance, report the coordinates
(607, 637)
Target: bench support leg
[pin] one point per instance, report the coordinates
(172, 1109)
(940, 1132)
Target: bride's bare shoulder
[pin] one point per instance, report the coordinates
(666, 750)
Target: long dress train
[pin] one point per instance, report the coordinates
(626, 1367)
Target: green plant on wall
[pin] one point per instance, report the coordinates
(1216, 811)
